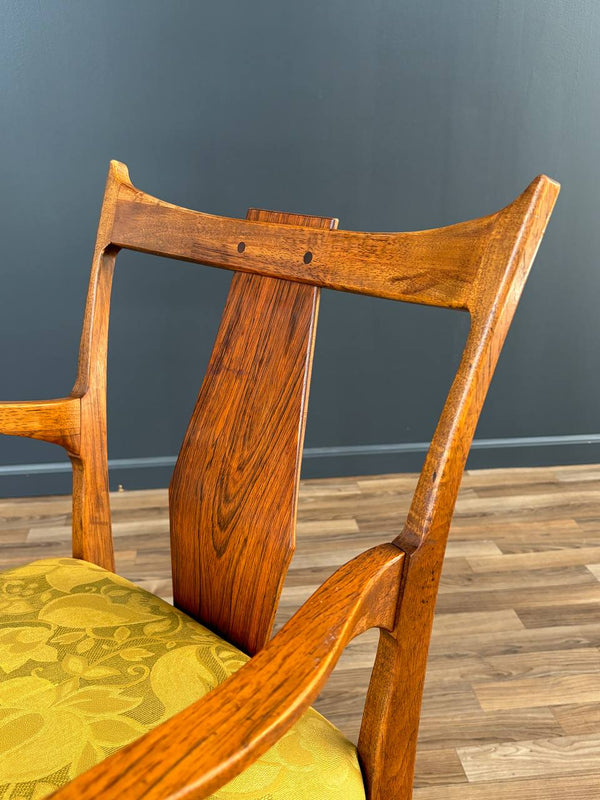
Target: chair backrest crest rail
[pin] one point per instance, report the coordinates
(435, 267)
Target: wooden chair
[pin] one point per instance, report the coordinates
(234, 489)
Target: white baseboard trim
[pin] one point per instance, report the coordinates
(319, 452)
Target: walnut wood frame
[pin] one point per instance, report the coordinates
(233, 493)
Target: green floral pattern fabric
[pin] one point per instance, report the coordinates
(89, 662)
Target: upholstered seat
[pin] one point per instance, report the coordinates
(90, 662)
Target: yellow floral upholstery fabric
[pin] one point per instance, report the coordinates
(89, 662)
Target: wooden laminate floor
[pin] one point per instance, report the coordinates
(512, 702)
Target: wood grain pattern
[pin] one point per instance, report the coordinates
(582, 787)
(566, 755)
(551, 690)
(594, 569)
(516, 561)
(388, 739)
(234, 489)
(434, 267)
(56, 421)
(478, 622)
(220, 505)
(92, 533)
(578, 719)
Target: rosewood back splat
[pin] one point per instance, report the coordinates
(234, 488)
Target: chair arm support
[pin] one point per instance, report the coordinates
(207, 744)
(57, 421)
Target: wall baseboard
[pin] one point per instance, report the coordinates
(478, 444)
(321, 452)
(152, 472)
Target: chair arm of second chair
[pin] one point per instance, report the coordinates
(207, 744)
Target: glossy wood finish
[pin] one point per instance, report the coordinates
(435, 267)
(388, 739)
(479, 266)
(92, 537)
(56, 421)
(516, 628)
(234, 488)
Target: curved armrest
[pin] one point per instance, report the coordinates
(210, 742)
(57, 421)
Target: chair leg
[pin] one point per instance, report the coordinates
(388, 737)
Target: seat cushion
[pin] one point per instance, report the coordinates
(90, 662)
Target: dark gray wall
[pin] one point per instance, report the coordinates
(391, 114)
